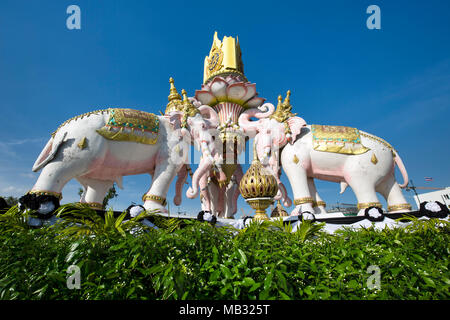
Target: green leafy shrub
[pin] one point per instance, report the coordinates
(195, 260)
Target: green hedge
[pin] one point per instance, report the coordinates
(199, 261)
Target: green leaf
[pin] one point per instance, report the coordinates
(247, 282)
(255, 286)
(268, 281)
(243, 257)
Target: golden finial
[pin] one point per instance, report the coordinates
(287, 99)
(174, 98)
(185, 98)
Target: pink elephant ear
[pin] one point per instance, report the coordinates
(295, 124)
(175, 119)
(175, 122)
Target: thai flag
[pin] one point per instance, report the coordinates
(428, 179)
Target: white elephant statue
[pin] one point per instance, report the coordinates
(100, 147)
(332, 153)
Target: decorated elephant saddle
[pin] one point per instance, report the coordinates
(131, 125)
(337, 139)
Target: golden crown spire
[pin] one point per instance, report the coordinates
(283, 111)
(174, 98)
(188, 109)
(224, 58)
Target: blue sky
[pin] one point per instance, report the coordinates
(393, 82)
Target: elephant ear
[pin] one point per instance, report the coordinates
(295, 125)
(175, 122)
(175, 119)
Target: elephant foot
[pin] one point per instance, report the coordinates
(43, 205)
(298, 210)
(374, 214)
(434, 209)
(135, 210)
(308, 216)
(320, 210)
(155, 207)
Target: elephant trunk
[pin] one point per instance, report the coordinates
(250, 127)
(181, 179)
(204, 191)
(238, 175)
(203, 168)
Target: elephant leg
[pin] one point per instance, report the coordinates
(298, 179)
(95, 191)
(365, 193)
(319, 208)
(238, 174)
(55, 175)
(83, 195)
(221, 202)
(230, 201)
(155, 197)
(45, 195)
(392, 192)
(214, 190)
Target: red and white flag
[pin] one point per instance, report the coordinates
(428, 179)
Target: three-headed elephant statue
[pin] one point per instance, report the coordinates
(100, 147)
(332, 153)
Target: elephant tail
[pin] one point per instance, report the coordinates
(49, 152)
(402, 169)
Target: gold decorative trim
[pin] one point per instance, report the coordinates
(94, 205)
(321, 203)
(401, 206)
(224, 73)
(304, 200)
(375, 138)
(366, 205)
(151, 197)
(81, 116)
(295, 160)
(46, 193)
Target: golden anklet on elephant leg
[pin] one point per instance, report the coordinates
(304, 200)
(157, 199)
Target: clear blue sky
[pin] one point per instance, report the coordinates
(393, 82)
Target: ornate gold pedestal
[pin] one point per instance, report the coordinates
(260, 205)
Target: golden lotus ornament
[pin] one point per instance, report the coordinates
(258, 187)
